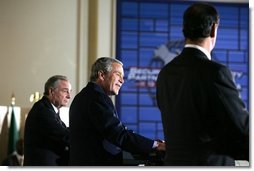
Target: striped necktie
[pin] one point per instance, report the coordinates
(59, 119)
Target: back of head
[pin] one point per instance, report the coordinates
(198, 20)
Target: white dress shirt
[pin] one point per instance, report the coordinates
(208, 55)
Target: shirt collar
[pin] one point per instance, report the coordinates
(55, 108)
(199, 48)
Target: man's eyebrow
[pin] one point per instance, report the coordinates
(122, 75)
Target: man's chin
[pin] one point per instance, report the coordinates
(116, 93)
(64, 105)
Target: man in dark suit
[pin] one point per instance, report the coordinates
(97, 135)
(204, 120)
(46, 137)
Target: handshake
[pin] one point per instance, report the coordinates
(156, 157)
(160, 145)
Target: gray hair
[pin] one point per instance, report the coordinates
(102, 64)
(52, 82)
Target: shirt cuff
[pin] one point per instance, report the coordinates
(155, 144)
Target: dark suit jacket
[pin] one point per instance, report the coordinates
(93, 120)
(204, 120)
(46, 138)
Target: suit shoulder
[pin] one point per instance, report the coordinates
(215, 64)
(86, 96)
(41, 105)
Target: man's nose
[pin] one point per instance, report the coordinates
(121, 80)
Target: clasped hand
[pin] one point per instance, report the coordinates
(161, 145)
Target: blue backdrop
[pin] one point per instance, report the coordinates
(149, 35)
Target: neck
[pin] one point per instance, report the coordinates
(206, 43)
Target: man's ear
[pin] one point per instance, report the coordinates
(213, 30)
(51, 91)
(101, 75)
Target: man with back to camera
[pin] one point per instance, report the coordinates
(204, 120)
(97, 135)
(46, 138)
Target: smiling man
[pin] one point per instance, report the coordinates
(97, 135)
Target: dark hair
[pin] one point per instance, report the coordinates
(198, 20)
(52, 82)
(102, 64)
